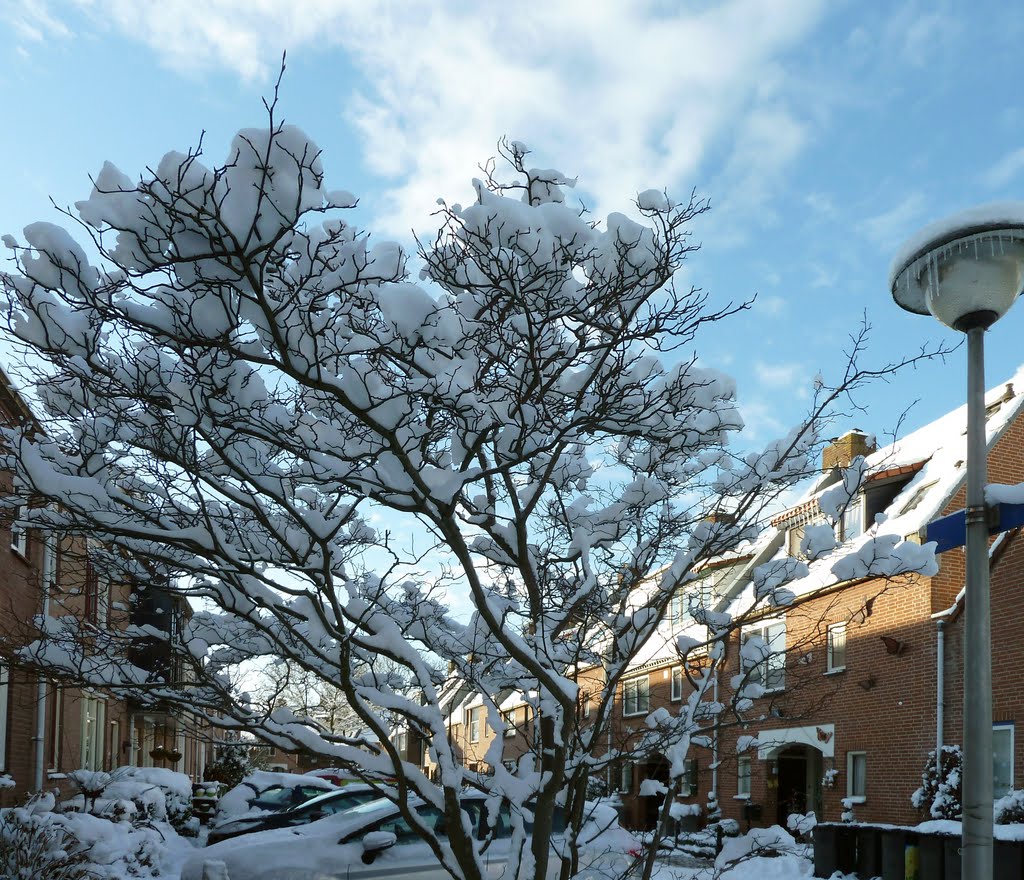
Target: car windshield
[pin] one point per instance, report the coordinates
(273, 796)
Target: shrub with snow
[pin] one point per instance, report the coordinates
(135, 795)
(939, 793)
(1009, 810)
(34, 845)
(759, 842)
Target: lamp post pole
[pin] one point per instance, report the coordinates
(977, 782)
(967, 271)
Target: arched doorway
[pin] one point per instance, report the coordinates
(799, 781)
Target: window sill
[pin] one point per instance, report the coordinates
(639, 714)
(741, 797)
(862, 799)
(836, 671)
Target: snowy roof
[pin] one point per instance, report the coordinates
(934, 457)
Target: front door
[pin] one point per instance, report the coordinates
(799, 782)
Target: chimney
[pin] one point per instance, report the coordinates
(841, 451)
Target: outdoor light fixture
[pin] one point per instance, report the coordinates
(967, 271)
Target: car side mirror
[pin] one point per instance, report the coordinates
(375, 842)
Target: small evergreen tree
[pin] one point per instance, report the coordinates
(231, 766)
(939, 793)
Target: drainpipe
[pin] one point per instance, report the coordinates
(714, 745)
(40, 737)
(940, 683)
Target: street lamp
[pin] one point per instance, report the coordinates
(967, 271)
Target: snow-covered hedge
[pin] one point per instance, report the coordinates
(134, 794)
(37, 843)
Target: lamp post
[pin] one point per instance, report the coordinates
(967, 271)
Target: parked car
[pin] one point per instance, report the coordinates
(373, 840)
(284, 797)
(324, 804)
(267, 791)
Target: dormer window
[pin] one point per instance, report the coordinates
(853, 520)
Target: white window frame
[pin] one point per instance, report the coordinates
(509, 717)
(1003, 727)
(851, 777)
(93, 732)
(473, 723)
(114, 752)
(586, 705)
(56, 726)
(19, 535)
(854, 513)
(743, 770)
(775, 663)
(626, 777)
(5, 685)
(688, 787)
(676, 693)
(832, 631)
(634, 685)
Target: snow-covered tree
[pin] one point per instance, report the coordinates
(250, 402)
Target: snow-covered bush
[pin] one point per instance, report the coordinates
(801, 824)
(847, 815)
(136, 795)
(1009, 809)
(34, 845)
(769, 842)
(939, 793)
(39, 844)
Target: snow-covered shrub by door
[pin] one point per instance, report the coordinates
(939, 793)
(1009, 809)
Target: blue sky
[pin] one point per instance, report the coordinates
(824, 133)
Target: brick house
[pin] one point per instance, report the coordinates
(48, 728)
(863, 675)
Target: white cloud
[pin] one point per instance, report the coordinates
(791, 376)
(1005, 171)
(628, 96)
(893, 226)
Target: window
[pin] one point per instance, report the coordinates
(4, 684)
(56, 695)
(625, 777)
(509, 718)
(401, 744)
(743, 777)
(679, 610)
(93, 712)
(19, 537)
(636, 696)
(677, 683)
(92, 593)
(857, 776)
(837, 647)
(586, 704)
(688, 786)
(793, 538)
(114, 753)
(769, 672)
(853, 520)
(1002, 759)
(474, 724)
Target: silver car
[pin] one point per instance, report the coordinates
(374, 841)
